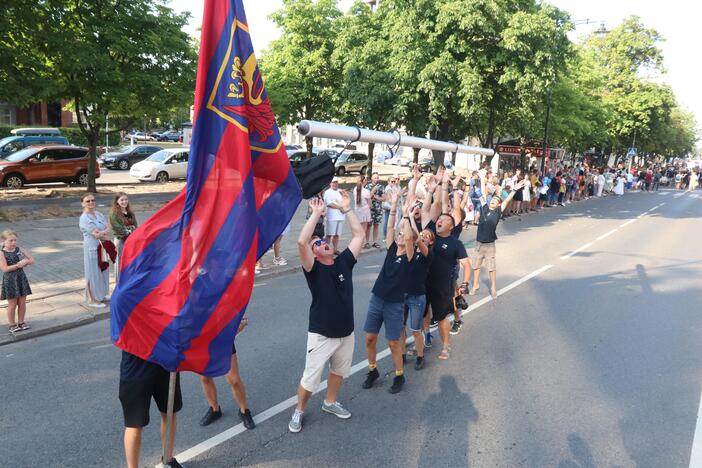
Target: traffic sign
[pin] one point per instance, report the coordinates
(631, 153)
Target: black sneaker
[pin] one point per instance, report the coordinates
(371, 377)
(247, 419)
(404, 359)
(456, 328)
(173, 463)
(433, 325)
(210, 417)
(397, 384)
(419, 363)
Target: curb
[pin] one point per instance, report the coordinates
(9, 339)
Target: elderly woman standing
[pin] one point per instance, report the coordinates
(94, 227)
(123, 223)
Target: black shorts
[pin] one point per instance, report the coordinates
(441, 303)
(519, 195)
(135, 396)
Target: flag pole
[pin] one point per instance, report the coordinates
(311, 128)
(169, 418)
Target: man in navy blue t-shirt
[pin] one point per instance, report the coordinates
(330, 335)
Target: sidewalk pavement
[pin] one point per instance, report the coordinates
(57, 280)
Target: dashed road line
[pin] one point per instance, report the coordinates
(696, 453)
(607, 234)
(578, 250)
(627, 223)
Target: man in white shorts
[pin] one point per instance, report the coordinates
(335, 218)
(330, 335)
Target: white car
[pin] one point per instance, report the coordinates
(162, 166)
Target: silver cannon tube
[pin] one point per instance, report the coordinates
(311, 128)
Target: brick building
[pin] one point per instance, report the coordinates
(44, 114)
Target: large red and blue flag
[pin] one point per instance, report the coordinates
(187, 272)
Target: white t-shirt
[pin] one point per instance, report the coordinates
(333, 196)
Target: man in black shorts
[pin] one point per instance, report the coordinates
(139, 381)
(440, 282)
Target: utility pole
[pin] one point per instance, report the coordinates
(546, 128)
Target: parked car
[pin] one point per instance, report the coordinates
(57, 163)
(126, 156)
(290, 148)
(139, 136)
(170, 136)
(36, 131)
(12, 144)
(162, 166)
(351, 162)
(297, 156)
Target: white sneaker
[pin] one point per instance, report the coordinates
(97, 305)
(280, 261)
(295, 424)
(336, 409)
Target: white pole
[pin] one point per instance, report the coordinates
(311, 128)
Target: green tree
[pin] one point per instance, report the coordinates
(127, 59)
(300, 77)
(367, 93)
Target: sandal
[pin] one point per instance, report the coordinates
(367, 246)
(473, 292)
(444, 355)
(376, 245)
(23, 326)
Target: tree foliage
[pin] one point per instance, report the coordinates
(129, 60)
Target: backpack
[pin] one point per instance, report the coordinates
(314, 174)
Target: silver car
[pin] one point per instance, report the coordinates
(351, 162)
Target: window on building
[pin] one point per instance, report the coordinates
(7, 114)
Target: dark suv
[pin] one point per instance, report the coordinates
(67, 164)
(126, 156)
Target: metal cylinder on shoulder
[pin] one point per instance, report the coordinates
(311, 128)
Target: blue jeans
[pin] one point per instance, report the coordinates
(415, 305)
(390, 313)
(552, 197)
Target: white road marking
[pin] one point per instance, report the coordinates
(607, 234)
(102, 346)
(678, 195)
(273, 411)
(368, 267)
(696, 454)
(259, 284)
(579, 249)
(627, 223)
(9, 355)
(663, 193)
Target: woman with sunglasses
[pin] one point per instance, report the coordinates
(93, 225)
(387, 300)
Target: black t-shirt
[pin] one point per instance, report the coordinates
(447, 251)
(133, 368)
(487, 224)
(392, 279)
(331, 311)
(417, 273)
(457, 230)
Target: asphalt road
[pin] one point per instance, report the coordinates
(585, 360)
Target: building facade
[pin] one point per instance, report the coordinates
(42, 114)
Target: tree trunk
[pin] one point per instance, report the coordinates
(369, 169)
(93, 141)
(308, 144)
(416, 155)
(490, 136)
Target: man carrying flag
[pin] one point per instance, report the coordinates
(187, 273)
